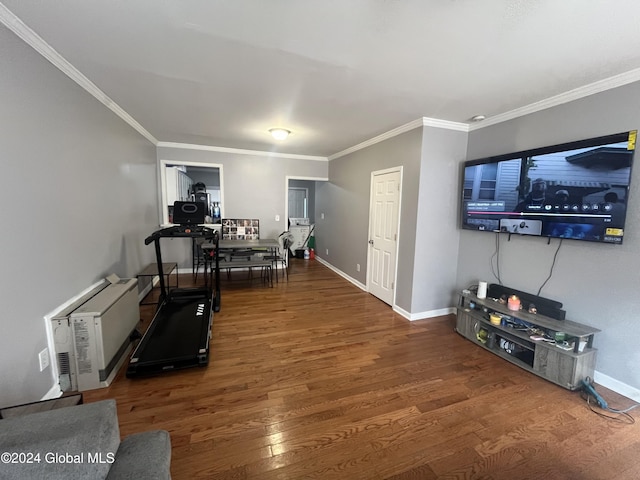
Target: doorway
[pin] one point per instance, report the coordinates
(384, 215)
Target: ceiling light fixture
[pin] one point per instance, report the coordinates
(279, 133)
(478, 118)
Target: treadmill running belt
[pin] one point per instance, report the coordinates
(176, 337)
(177, 334)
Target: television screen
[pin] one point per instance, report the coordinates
(576, 190)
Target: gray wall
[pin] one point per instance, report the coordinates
(597, 283)
(428, 240)
(71, 173)
(436, 255)
(344, 200)
(254, 186)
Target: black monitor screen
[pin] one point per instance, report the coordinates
(577, 190)
(188, 213)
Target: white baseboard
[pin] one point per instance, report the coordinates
(342, 274)
(424, 315)
(617, 386)
(401, 311)
(147, 289)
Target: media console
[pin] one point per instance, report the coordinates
(529, 340)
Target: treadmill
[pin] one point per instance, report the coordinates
(178, 336)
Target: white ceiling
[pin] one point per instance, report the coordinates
(335, 72)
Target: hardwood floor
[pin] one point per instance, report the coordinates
(315, 378)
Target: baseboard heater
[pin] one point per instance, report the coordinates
(93, 336)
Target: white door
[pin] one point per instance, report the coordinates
(384, 211)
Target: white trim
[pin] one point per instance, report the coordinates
(342, 274)
(617, 386)
(384, 171)
(145, 291)
(437, 123)
(32, 39)
(313, 179)
(428, 314)
(238, 151)
(401, 311)
(420, 122)
(566, 97)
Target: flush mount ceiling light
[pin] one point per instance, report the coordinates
(279, 133)
(478, 118)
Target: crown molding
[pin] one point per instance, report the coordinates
(420, 122)
(566, 97)
(36, 42)
(437, 123)
(238, 151)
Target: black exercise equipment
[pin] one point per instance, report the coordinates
(178, 336)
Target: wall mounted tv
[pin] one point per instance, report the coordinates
(576, 190)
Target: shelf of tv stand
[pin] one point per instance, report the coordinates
(570, 328)
(563, 367)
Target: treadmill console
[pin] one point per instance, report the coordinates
(188, 213)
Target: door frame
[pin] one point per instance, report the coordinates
(398, 169)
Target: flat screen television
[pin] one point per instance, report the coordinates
(577, 190)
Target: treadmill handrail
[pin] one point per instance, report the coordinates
(182, 231)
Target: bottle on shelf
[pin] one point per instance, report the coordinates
(216, 212)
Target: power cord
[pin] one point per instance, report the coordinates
(496, 255)
(552, 265)
(590, 394)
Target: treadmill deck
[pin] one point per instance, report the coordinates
(178, 336)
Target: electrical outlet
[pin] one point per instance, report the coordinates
(322, 216)
(327, 251)
(357, 267)
(277, 218)
(43, 358)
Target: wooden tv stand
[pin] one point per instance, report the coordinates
(511, 340)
